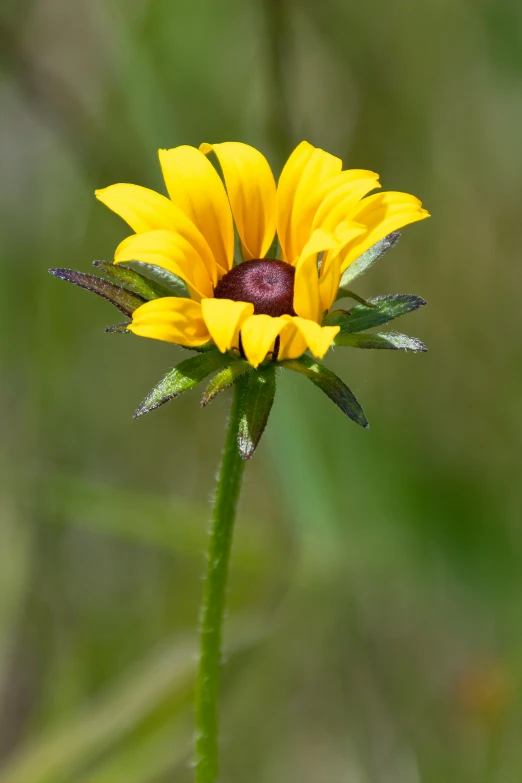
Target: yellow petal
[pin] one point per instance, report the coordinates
(343, 195)
(146, 210)
(141, 208)
(381, 213)
(318, 338)
(318, 203)
(169, 251)
(252, 193)
(307, 300)
(195, 187)
(258, 334)
(347, 230)
(172, 319)
(292, 343)
(286, 187)
(305, 171)
(329, 280)
(330, 275)
(224, 318)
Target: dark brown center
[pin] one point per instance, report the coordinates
(266, 283)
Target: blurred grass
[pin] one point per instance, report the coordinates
(383, 567)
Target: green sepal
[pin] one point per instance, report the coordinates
(132, 280)
(343, 293)
(257, 396)
(224, 379)
(391, 340)
(210, 346)
(274, 251)
(182, 378)
(119, 328)
(360, 317)
(169, 283)
(331, 385)
(364, 262)
(126, 301)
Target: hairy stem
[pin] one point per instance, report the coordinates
(207, 686)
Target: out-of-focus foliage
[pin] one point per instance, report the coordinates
(376, 593)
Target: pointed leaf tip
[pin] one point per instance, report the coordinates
(390, 340)
(185, 376)
(364, 262)
(331, 385)
(119, 328)
(126, 301)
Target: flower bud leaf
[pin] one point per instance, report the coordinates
(331, 385)
(364, 262)
(182, 378)
(224, 379)
(132, 280)
(257, 395)
(170, 284)
(126, 301)
(360, 317)
(391, 340)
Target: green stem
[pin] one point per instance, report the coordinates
(207, 686)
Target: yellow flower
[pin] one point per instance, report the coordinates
(262, 307)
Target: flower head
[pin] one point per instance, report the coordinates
(263, 307)
(261, 301)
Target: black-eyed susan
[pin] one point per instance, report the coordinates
(264, 298)
(249, 305)
(270, 305)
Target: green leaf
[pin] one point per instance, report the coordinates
(331, 385)
(258, 392)
(364, 262)
(360, 317)
(171, 284)
(185, 376)
(391, 340)
(124, 300)
(274, 251)
(343, 293)
(133, 281)
(210, 346)
(224, 379)
(119, 328)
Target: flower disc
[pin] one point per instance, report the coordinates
(266, 283)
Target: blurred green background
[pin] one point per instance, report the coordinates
(375, 625)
